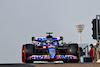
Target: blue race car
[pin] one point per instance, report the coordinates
(50, 48)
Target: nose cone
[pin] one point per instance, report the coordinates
(52, 51)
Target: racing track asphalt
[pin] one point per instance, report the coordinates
(16, 65)
(68, 65)
(53, 65)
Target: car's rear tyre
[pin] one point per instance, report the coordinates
(23, 53)
(27, 50)
(74, 49)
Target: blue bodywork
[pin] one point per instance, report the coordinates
(51, 44)
(52, 51)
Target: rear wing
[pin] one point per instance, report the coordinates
(44, 38)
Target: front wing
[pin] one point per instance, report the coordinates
(47, 57)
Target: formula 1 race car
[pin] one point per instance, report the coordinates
(49, 48)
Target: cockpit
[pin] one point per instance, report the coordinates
(48, 40)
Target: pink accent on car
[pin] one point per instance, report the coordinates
(47, 57)
(35, 38)
(74, 56)
(51, 46)
(57, 57)
(29, 57)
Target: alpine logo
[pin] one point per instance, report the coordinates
(38, 57)
(66, 57)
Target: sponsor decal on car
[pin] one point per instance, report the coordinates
(52, 51)
(44, 38)
(39, 57)
(66, 57)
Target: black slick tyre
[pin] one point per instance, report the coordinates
(27, 50)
